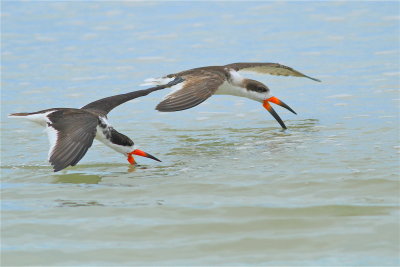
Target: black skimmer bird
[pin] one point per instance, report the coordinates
(200, 83)
(71, 131)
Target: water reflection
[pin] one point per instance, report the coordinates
(225, 140)
(131, 168)
(95, 173)
(307, 125)
(76, 203)
(77, 178)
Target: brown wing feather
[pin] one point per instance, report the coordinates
(196, 88)
(268, 68)
(76, 130)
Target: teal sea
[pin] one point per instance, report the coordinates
(232, 187)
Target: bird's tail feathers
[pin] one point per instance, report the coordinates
(21, 114)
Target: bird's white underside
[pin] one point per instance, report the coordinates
(52, 134)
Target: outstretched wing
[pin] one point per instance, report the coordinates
(71, 133)
(105, 105)
(195, 89)
(268, 68)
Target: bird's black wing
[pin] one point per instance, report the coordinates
(71, 133)
(105, 105)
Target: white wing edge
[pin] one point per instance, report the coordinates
(157, 81)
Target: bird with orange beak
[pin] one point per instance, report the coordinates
(71, 131)
(200, 83)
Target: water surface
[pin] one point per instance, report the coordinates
(232, 187)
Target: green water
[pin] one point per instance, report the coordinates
(232, 187)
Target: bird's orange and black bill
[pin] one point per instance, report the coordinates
(268, 107)
(140, 153)
(277, 101)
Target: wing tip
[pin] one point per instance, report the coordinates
(163, 108)
(166, 107)
(314, 79)
(57, 167)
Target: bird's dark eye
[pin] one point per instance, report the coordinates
(261, 89)
(257, 88)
